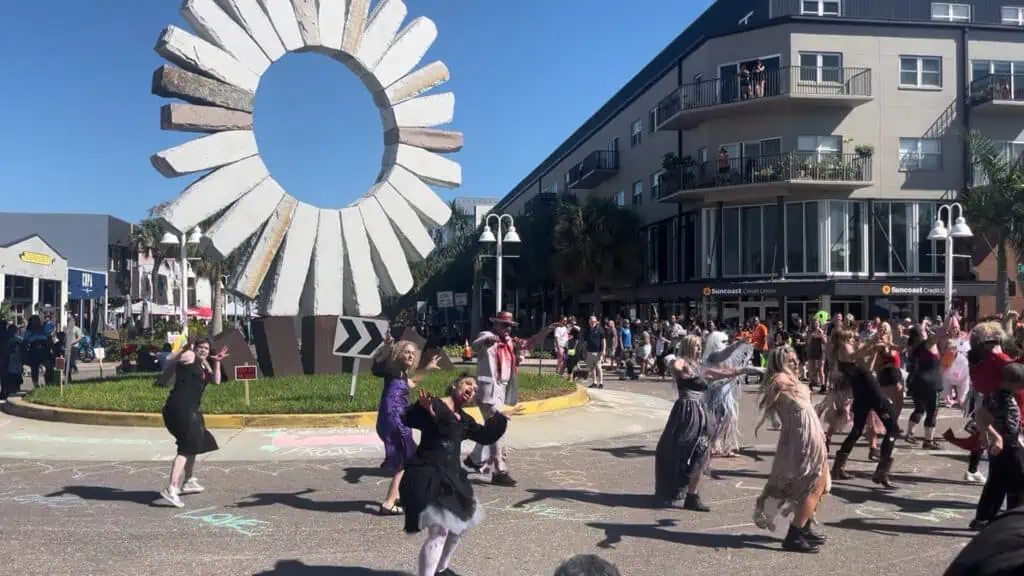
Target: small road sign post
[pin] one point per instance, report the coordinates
(358, 338)
(246, 373)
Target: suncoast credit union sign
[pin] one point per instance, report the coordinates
(739, 291)
(889, 290)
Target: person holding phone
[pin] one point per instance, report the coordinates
(194, 368)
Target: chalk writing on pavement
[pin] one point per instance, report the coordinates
(62, 502)
(79, 439)
(543, 511)
(236, 522)
(341, 438)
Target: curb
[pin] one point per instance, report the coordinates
(23, 409)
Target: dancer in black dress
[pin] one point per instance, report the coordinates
(683, 448)
(435, 489)
(194, 369)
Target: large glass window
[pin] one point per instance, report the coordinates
(773, 253)
(1013, 15)
(751, 247)
(802, 238)
(690, 247)
(731, 242)
(931, 255)
(890, 225)
(846, 237)
(819, 147)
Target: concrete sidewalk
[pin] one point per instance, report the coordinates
(610, 414)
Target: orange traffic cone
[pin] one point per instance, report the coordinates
(467, 352)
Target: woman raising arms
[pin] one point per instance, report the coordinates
(683, 448)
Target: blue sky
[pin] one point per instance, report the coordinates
(78, 123)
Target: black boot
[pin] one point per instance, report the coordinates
(881, 475)
(813, 537)
(796, 541)
(873, 454)
(839, 467)
(447, 572)
(693, 502)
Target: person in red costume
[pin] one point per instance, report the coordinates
(987, 361)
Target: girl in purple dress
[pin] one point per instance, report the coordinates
(396, 367)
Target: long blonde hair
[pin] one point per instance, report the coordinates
(772, 386)
(688, 348)
(395, 357)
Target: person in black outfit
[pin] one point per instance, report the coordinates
(999, 416)
(997, 551)
(435, 489)
(867, 396)
(925, 384)
(194, 369)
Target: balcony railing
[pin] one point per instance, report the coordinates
(786, 81)
(997, 88)
(791, 167)
(597, 167)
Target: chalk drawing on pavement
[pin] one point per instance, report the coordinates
(26, 437)
(62, 502)
(240, 524)
(334, 438)
(543, 511)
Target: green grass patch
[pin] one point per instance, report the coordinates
(321, 394)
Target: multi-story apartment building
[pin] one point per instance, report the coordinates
(814, 142)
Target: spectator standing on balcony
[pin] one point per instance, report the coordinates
(759, 79)
(723, 164)
(745, 82)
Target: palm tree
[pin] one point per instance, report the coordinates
(995, 205)
(596, 243)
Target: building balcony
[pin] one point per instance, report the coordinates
(998, 92)
(774, 173)
(775, 91)
(598, 166)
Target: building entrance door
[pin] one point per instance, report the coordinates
(765, 310)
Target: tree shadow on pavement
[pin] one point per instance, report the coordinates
(721, 473)
(297, 568)
(637, 451)
(296, 500)
(913, 504)
(608, 500)
(354, 475)
(867, 525)
(614, 533)
(108, 494)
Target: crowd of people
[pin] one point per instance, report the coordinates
(863, 371)
(35, 348)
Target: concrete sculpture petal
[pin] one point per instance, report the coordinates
(249, 15)
(302, 259)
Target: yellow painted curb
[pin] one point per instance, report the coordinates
(25, 409)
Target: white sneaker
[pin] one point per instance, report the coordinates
(170, 495)
(976, 477)
(192, 486)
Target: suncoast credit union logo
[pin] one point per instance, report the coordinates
(888, 290)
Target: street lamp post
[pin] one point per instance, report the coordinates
(488, 236)
(940, 232)
(183, 241)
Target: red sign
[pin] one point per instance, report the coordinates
(59, 364)
(245, 372)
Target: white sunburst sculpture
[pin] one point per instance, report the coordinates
(307, 260)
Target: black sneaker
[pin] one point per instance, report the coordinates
(503, 479)
(447, 572)
(796, 541)
(468, 463)
(977, 525)
(694, 503)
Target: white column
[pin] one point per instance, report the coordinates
(35, 296)
(61, 318)
(3, 284)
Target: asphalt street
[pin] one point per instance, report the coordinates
(317, 516)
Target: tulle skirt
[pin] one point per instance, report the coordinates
(435, 515)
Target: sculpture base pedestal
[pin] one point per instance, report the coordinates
(277, 348)
(318, 346)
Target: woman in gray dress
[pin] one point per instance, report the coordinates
(683, 448)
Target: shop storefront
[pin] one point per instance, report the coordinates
(914, 300)
(732, 304)
(33, 277)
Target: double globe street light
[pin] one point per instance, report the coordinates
(940, 232)
(183, 241)
(488, 237)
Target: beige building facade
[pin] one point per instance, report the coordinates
(811, 155)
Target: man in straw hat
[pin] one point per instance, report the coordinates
(498, 353)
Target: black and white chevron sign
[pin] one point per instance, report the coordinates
(359, 337)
